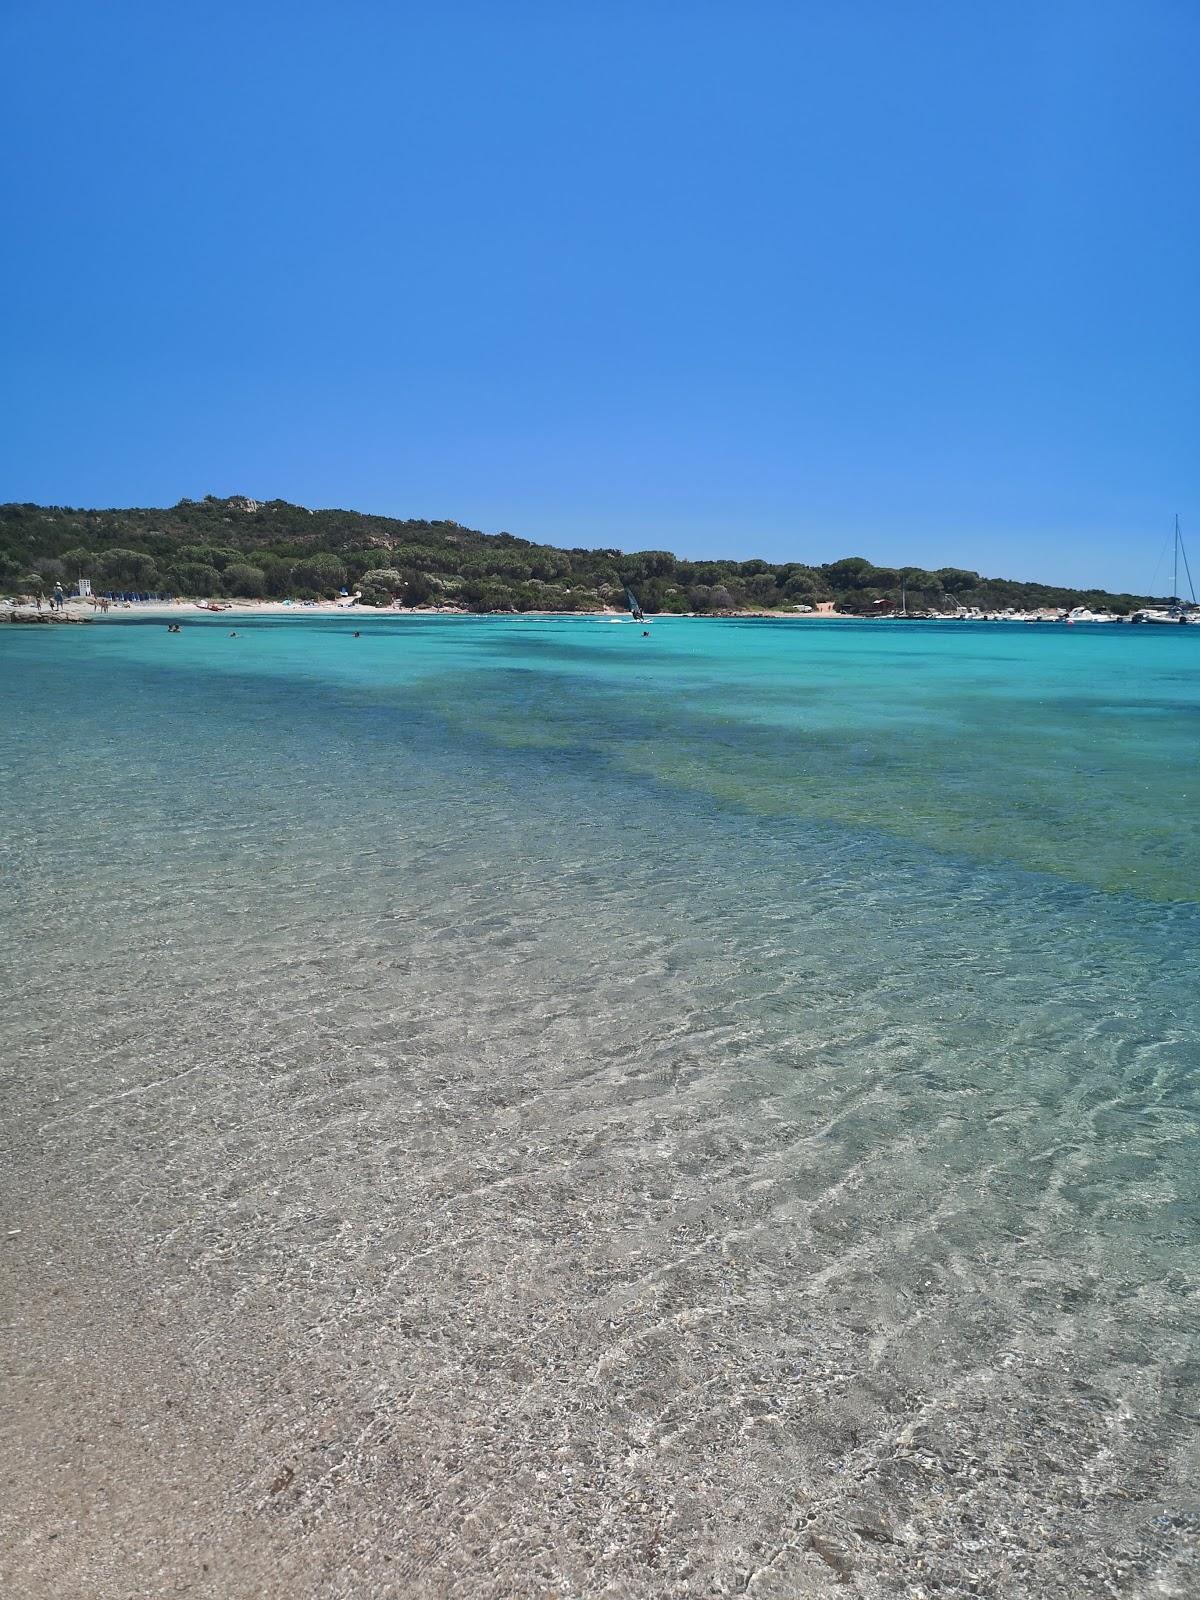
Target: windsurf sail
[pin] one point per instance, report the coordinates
(632, 602)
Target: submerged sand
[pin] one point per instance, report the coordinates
(398, 1204)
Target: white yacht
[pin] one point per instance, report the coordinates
(1084, 614)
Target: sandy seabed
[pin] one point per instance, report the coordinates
(395, 1205)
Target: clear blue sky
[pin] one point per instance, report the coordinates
(915, 281)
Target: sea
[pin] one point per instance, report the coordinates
(511, 1106)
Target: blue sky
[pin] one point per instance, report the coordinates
(913, 281)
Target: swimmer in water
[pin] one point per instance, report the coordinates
(357, 635)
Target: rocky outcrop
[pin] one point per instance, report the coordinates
(40, 616)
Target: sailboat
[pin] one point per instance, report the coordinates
(904, 614)
(635, 609)
(1179, 611)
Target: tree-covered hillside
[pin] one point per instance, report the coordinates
(240, 547)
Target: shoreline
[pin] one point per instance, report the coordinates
(77, 611)
(180, 610)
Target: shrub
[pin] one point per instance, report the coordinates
(386, 579)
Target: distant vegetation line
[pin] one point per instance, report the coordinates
(273, 550)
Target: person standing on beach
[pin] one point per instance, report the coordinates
(59, 600)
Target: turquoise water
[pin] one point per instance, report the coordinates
(745, 1078)
(1068, 750)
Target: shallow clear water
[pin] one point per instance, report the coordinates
(711, 1113)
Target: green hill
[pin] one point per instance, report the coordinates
(270, 549)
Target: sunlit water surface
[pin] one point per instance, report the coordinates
(708, 1113)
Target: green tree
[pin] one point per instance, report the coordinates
(957, 578)
(323, 573)
(488, 594)
(277, 576)
(79, 562)
(243, 579)
(206, 555)
(126, 569)
(644, 564)
(851, 572)
(418, 591)
(195, 578)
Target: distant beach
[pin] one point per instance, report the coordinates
(178, 610)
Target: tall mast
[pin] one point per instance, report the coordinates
(1175, 580)
(1187, 570)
